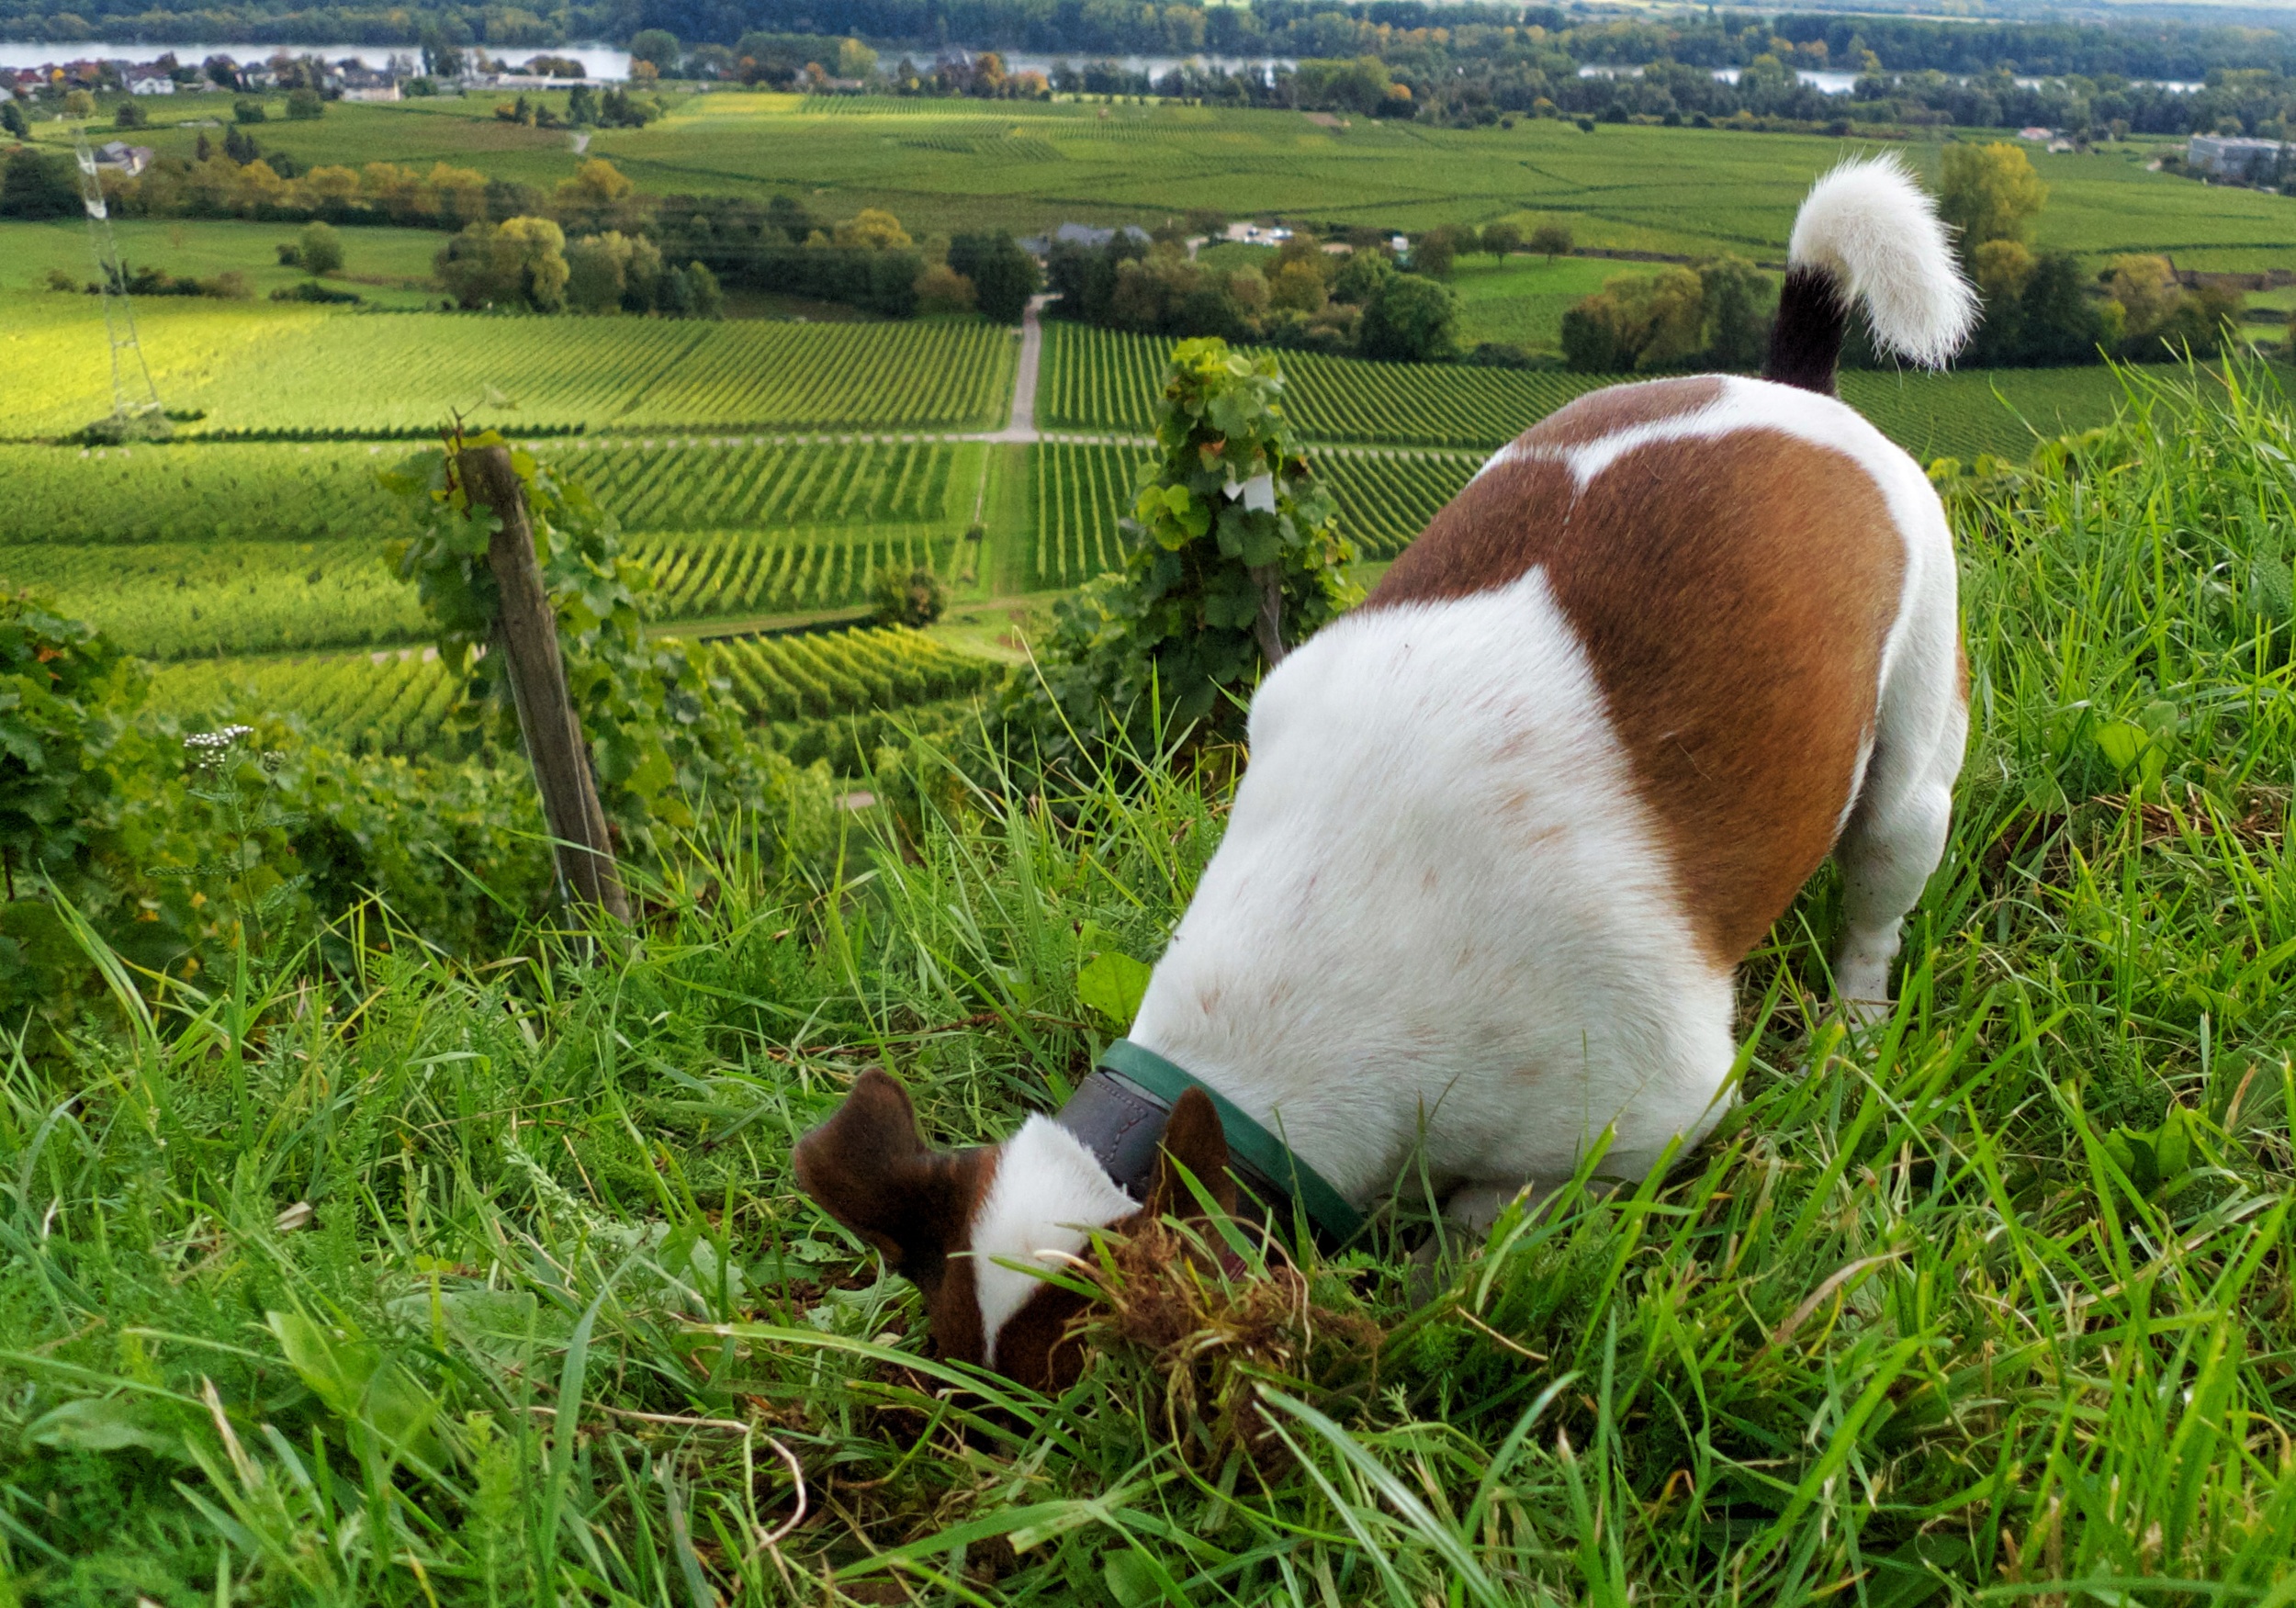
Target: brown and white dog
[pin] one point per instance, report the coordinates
(1509, 828)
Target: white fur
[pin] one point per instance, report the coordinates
(1048, 1195)
(1442, 910)
(1876, 231)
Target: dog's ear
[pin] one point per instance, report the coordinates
(1193, 1139)
(867, 1167)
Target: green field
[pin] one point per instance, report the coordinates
(397, 702)
(1695, 191)
(388, 268)
(1520, 301)
(943, 167)
(189, 550)
(267, 367)
(1083, 490)
(1102, 380)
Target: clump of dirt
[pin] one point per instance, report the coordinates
(1213, 1325)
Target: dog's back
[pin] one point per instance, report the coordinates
(1508, 829)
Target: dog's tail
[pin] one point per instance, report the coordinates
(1867, 233)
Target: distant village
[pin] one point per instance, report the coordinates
(348, 79)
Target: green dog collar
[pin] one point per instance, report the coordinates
(1252, 1145)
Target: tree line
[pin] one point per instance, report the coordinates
(2040, 307)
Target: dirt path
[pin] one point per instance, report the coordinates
(1021, 426)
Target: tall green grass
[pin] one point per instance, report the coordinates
(392, 1277)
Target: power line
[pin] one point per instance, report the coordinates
(135, 399)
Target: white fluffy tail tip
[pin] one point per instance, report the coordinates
(1871, 226)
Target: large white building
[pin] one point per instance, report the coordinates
(2250, 162)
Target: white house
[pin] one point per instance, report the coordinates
(149, 81)
(130, 159)
(2230, 157)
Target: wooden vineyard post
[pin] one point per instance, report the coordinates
(526, 634)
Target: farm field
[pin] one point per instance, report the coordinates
(1687, 190)
(460, 130)
(388, 268)
(945, 166)
(1520, 301)
(397, 702)
(267, 367)
(1083, 490)
(1104, 381)
(186, 550)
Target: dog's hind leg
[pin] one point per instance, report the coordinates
(1897, 830)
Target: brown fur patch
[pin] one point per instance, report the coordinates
(868, 1167)
(1616, 408)
(1733, 595)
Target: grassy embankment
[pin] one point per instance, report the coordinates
(413, 1280)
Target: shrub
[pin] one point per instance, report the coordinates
(1410, 319)
(303, 105)
(914, 599)
(247, 109)
(1232, 551)
(318, 250)
(1003, 275)
(941, 289)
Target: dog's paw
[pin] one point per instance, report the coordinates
(1864, 1015)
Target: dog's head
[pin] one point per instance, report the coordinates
(951, 1221)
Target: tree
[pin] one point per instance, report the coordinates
(1989, 192)
(79, 103)
(598, 197)
(319, 249)
(1552, 239)
(1736, 298)
(2061, 325)
(855, 60)
(1002, 275)
(1360, 276)
(915, 599)
(33, 186)
(582, 106)
(873, 228)
(12, 120)
(1432, 252)
(305, 104)
(1299, 287)
(656, 47)
(1233, 554)
(2146, 288)
(2001, 269)
(597, 271)
(699, 295)
(519, 263)
(130, 115)
(788, 213)
(1410, 318)
(247, 109)
(1498, 239)
(940, 289)
(1637, 323)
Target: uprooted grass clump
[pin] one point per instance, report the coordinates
(1212, 1314)
(418, 1280)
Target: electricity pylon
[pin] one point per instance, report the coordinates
(135, 399)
